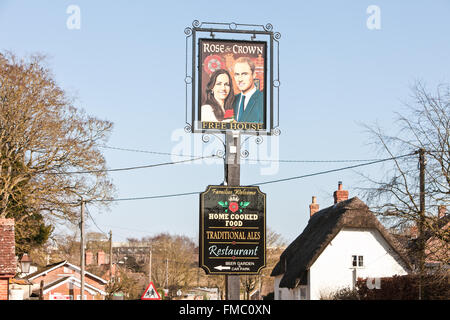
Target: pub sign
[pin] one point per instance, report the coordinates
(232, 84)
(232, 78)
(232, 230)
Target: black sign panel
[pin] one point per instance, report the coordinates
(232, 230)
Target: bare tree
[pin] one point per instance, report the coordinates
(275, 245)
(44, 138)
(173, 264)
(423, 132)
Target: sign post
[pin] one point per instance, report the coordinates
(232, 178)
(232, 81)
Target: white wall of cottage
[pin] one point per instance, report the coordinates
(333, 269)
(283, 293)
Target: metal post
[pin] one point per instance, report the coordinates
(232, 178)
(83, 262)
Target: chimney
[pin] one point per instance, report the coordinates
(442, 210)
(340, 195)
(88, 257)
(313, 207)
(100, 258)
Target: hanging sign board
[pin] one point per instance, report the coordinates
(232, 78)
(232, 72)
(232, 230)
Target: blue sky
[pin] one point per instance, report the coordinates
(126, 64)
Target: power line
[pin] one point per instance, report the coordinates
(314, 161)
(332, 170)
(261, 183)
(149, 197)
(146, 151)
(261, 160)
(129, 229)
(132, 168)
(87, 209)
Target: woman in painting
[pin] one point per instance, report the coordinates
(219, 97)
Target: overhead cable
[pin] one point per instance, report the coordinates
(260, 160)
(332, 170)
(146, 151)
(87, 209)
(260, 183)
(132, 168)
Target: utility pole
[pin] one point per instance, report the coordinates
(232, 178)
(150, 264)
(41, 290)
(167, 275)
(421, 219)
(82, 254)
(110, 256)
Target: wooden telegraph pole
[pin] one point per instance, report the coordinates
(150, 264)
(421, 220)
(82, 254)
(232, 178)
(110, 256)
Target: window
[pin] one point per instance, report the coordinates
(360, 261)
(357, 261)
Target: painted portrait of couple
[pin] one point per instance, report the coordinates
(233, 90)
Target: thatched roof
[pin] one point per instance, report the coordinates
(322, 227)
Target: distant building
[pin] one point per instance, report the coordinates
(19, 289)
(437, 245)
(340, 244)
(437, 250)
(199, 294)
(62, 281)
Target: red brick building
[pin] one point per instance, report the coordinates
(62, 281)
(8, 263)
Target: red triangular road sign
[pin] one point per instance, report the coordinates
(150, 293)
